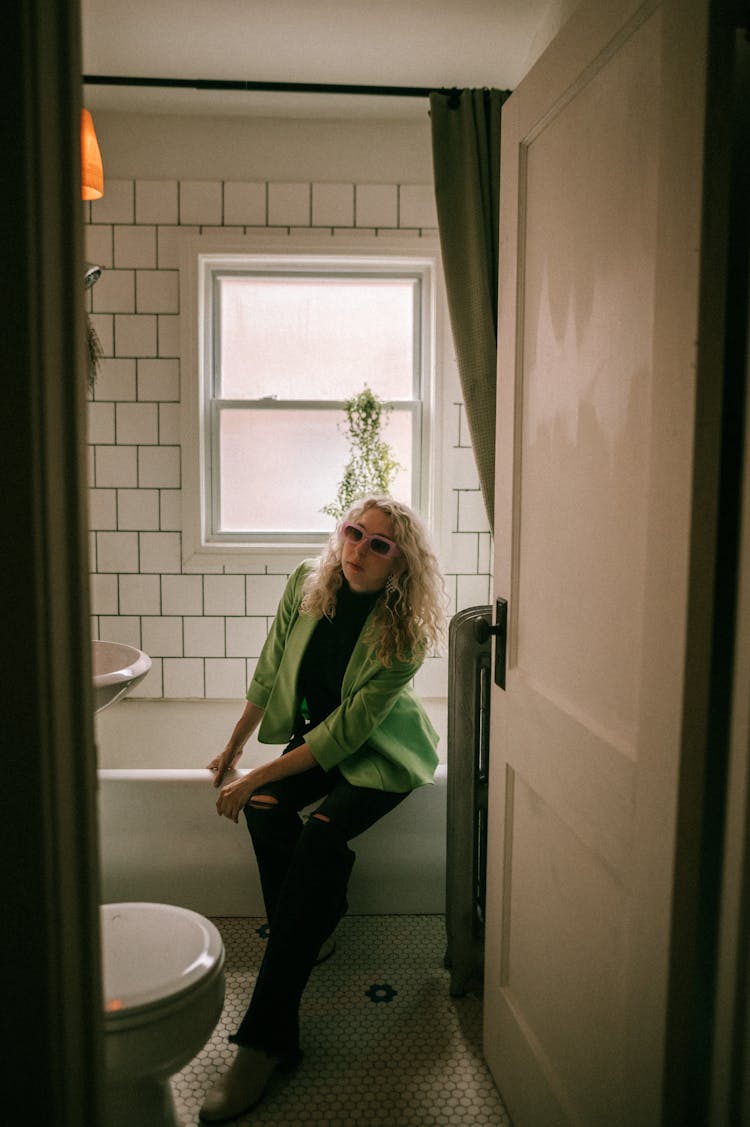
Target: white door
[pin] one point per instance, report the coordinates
(600, 246)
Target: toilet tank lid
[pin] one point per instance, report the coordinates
(151, 952)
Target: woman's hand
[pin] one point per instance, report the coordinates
(230, 756)
(234, 796)
(222, 764)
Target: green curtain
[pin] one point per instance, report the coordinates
(466, 160)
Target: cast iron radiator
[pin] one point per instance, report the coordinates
(469, 679)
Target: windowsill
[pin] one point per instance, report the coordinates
(213, 557)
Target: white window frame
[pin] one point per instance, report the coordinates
(201, 257)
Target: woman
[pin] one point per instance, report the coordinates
(334, 675)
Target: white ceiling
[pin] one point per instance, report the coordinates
(426, 43)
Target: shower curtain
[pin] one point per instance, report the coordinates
(466, 160)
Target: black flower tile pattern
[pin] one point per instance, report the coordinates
(381, 992)
(413, 1059)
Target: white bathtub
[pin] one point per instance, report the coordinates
(161, 838)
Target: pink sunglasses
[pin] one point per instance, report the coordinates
(378, 545)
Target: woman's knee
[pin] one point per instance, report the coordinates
(264, 814)
(323, 841)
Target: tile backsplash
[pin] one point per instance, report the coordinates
(204, 631)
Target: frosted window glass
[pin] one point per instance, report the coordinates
(322, 338)
(279, 468)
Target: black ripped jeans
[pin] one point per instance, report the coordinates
(304, 872)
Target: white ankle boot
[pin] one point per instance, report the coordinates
(239, 1089)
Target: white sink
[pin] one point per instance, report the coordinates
(117, 670)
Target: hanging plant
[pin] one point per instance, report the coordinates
(371, 466)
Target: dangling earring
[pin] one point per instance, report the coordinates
(390, 584)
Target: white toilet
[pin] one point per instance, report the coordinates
(163, 971)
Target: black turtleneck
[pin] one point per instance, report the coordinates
(325, 660)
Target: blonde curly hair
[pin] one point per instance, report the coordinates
(409, 616)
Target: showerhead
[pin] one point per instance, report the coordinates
(91, 274)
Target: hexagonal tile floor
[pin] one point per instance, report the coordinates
(385, 1045)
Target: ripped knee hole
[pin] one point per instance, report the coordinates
(263, 801)
(266, 801)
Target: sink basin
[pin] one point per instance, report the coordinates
(117, 670)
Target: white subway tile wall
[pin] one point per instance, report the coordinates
(245, 204)
(204, 632)
(201, 201)
(376, 205)
(156, 201)
(333, 205)
(289, 205)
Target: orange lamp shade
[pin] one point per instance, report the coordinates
(92, 173)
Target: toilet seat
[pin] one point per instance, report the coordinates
(152, 955)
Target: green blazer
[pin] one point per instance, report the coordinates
(379, 736)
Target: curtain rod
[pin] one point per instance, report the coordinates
(285, 87)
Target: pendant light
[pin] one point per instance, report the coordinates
(92, 173)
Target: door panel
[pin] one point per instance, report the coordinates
(595, 425)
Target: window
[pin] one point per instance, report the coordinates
(283, 339)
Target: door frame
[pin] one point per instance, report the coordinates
(50, 898)
(705, 1079)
